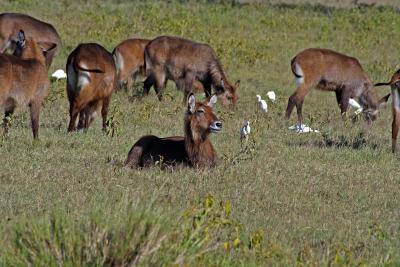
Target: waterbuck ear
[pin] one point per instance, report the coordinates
(213, 101)
(191, 103)
(237, 84)
(384, 99)
(46, 46)
(21, 36)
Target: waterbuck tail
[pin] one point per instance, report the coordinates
(118, 60)
(295, 69)
(84, 68)
(382, 84)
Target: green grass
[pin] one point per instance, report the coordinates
(315, 199)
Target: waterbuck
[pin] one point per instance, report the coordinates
(39, 31)
(91, 80)
(395, 86)
(185, 62)
(129, 60)
(194, 149)
(24, 81)
(331, 71)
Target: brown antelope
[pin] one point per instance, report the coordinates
(186, 62)
(39, 31)
(194, 149)
(24, 81)
(91, 80)
(395, 85)
(331, 71)
(129, 60)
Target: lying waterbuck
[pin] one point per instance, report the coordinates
(331, 71)
(194, 149)
(129, 60)
(395, 85)
(24, 81)
(91, 80)
(185, 62)
(39, 31)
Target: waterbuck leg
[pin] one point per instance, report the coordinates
(148, 83)
(104, 111)
(81, 121)
(395, 132)
(344, 104)
(290, 106)
(188, 86)
(73, 114)
(339, 97)
(35, 112)
(207, 89)
(160, 81)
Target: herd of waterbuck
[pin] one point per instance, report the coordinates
(93, 73)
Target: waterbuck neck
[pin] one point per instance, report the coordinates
(198, 146)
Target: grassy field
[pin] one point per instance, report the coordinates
(281, 199)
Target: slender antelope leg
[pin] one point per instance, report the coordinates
(35, 112)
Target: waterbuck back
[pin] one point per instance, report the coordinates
(328, 70)
(24, 80)
(39, 31)
(184, 62)
(91, 80)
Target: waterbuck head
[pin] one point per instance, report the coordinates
(370, 103)
(27, 48)
(226, 92)
(200, 119)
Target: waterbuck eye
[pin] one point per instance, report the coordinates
(200, 111)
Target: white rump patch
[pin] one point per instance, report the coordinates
(299, 72)
(83, 78)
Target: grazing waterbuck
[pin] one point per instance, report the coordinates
(39, 31)
(91, 80)
(24, 80)
(186, 62)
(194, 149)
(328, 70)
(395, 86)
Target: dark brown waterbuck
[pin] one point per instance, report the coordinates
(129, 60)
(24, 80)
(194, 149)
(331, 71)
(395, 86)
(185, 62)
(91, 80)
(39, 31)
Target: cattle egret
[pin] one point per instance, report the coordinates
(355, 105)
(245, 130)
(271, 95)
(302, 128)
(59, 74)
(262, 104)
